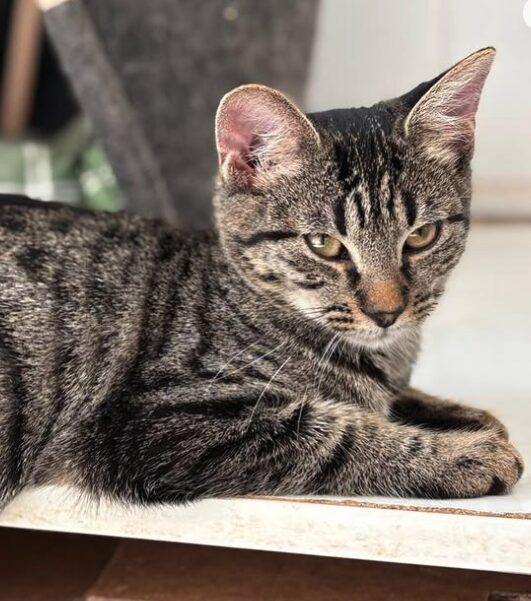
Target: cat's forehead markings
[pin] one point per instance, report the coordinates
(385, 188)
(379, 141)
(360, 176)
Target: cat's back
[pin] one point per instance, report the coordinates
(79, 293)
(42, 241)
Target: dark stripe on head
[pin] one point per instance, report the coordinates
(396, 163)
(339, 211)
(358, 201)
(343, 163)
(267, 236)
(410, 207)
(391, 203)
(376, 207)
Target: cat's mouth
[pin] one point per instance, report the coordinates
(372, 337)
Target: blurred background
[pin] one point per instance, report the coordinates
(110, 103)
(365, 51)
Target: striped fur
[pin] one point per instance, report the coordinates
(154, 366)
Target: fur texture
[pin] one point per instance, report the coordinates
(153, 366)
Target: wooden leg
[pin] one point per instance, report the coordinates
(20, 68)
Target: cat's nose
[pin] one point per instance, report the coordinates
(383, 301)
(384, 319)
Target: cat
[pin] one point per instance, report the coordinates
(272, 356)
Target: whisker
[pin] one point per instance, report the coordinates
(329, 351)
(256, 360)
(222, 368)
(303, 403)
(264, 390)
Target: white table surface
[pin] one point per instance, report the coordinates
(477, 348)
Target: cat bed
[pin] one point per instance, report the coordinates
(477, 348)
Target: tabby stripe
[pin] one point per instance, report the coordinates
(204, 328)
(391, 203)
(363, 364)
(410, 206)
(369, 368)
(339, 212)
(343, 163)
(353, 277)
(309, 285)
(358, 201)
(406, 267)
(19, 399)
(225, 408)
(181, 274)
(243, 317)
(376, 207)
(62, 355)
(341, 456)
(267, 236)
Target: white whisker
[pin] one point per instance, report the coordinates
(265, 388)
(256, 360)
(225, 365)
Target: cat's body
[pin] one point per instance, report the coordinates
(151, 366)
(121, 315)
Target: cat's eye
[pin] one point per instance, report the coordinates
(326, 246)
(422, 238)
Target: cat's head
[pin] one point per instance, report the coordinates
(352, 217)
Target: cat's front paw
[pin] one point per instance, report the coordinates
(482, 463)
(478, 419)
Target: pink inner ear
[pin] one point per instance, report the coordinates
(234, 137)
(447, 113)
(465, 99)
(250, 128)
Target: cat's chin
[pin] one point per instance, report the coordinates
(373, 338)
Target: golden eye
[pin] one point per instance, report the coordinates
(422, 238)
(325, 246)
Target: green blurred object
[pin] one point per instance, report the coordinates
(69, 167)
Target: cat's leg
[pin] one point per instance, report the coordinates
(155, 450)
(418, 408)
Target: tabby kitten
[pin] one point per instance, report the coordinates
(274, 356)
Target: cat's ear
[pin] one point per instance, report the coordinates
(443, 120)
(260, 135)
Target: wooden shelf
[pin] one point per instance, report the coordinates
(405, 533)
